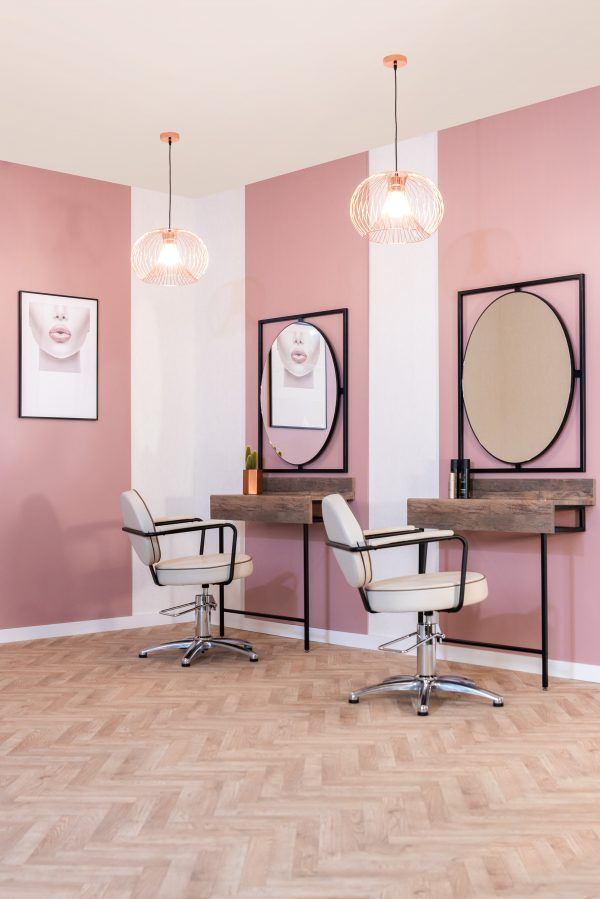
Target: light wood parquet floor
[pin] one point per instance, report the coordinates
(122, 777)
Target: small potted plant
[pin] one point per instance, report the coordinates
(252, 475)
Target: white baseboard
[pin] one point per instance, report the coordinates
(463, 654)
(296, 632)
(518, 661)
(71, 628)
(510, 661)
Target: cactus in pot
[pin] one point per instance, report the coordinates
(251, 459)
(252, 474)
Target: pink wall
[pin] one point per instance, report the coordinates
(521, 192)
(62, 555)
(303, 255)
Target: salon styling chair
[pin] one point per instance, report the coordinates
(425, 594)
(200, 570)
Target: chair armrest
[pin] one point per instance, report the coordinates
(209, 525)
(409, 539)
(203, 527)
(399, 538)
(171, 522)
(375, 533)
(168, 520)
(418, 539)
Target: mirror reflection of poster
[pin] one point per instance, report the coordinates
(58, 356)
(298, 378)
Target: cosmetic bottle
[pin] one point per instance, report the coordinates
(464, 480)
(453, 480)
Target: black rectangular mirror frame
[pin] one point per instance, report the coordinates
(342, 389)
(520, 468)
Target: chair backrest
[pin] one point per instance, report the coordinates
(342, 527)
(136, 514)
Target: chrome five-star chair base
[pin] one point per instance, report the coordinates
(422, 684)
(202, 640)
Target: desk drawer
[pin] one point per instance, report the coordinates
(524, 516)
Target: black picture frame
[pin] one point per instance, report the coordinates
(64, 296)
(578, 376)
(341, 406)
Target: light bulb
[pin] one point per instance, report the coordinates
(396, 204)
(169, 254)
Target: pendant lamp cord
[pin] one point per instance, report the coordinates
(395, 115)
(170, 142)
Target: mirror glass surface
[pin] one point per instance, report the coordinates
(517, 377)
(298, 393)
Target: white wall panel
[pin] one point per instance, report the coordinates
(188, 375)
(403, 383)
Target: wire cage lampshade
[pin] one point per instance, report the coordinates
(169, 256)
(396, 207)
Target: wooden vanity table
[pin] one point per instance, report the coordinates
(285, 499)
(513, 505)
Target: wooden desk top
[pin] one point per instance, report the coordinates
(286, 499)
(518, 505)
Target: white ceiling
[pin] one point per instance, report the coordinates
(262, 87)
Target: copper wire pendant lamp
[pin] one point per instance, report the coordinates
(396, 207)
(169, 256)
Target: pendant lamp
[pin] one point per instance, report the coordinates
(396, 207)
(169, 256)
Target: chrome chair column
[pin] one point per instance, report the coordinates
(426, 680)
(202, 640)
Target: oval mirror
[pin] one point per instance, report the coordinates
(299, 393)
(518, 377)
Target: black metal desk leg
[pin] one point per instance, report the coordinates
(306, 589)
(544, 573)
(221, 593)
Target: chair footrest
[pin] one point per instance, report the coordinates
(436, 635)
(390, 643)
(176, 611)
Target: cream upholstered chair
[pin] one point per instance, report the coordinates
(426, 594)
(200, 570)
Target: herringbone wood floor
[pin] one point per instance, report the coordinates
(123, 777)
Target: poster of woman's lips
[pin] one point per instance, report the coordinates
(298, 380)
(58, 356)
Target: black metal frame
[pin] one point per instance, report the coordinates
(304, 620)
(543, 650)
(341, 402)
(422, 543)
(203, 528)
(65, 296)
(578, 374)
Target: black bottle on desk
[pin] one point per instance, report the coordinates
(464, 479)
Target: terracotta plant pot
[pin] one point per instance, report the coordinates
(252, 482)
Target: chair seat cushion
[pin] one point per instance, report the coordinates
(425, 592)
(197, 570)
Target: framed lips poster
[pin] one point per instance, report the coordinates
(298, 378)
(58, 356)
